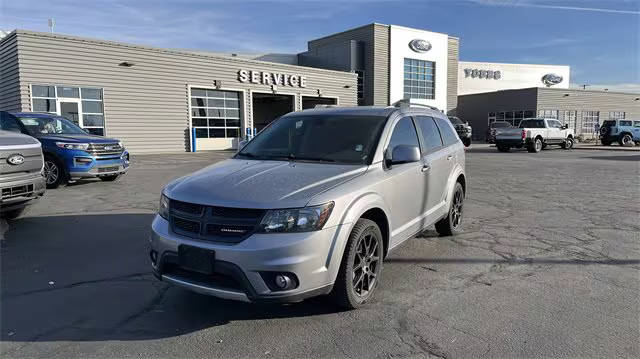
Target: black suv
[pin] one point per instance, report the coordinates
(463, 129)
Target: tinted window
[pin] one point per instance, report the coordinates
(430, 134)
(625, 123)
(9, 124)
(404, 134)
(449, 136)
(609, 123)
(636, 123)
(91, 94)
(43, 105)
(532, 124)
(43, 91)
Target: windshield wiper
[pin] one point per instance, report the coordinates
(319, 159)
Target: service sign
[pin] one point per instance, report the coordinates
(271, 78)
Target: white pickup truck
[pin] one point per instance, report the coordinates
(535, 134)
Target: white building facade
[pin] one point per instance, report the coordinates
(479, 77)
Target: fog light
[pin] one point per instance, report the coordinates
(283, 282)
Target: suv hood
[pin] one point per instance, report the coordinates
(76, 138)
(260, 184)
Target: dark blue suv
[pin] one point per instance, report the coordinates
(69, 152)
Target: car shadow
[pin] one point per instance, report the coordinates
(88, 278)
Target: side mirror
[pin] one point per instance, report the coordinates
(564, 127)
(404, 154)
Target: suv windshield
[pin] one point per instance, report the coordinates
(49, 125)
(322, 138)
(534, 123)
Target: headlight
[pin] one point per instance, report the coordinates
(73, 146)
(163, 209)
(296, 219)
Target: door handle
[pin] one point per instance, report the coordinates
(425, 168)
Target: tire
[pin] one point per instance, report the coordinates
(567, 144)
(357, 262)
(53, 172)
(466, 142)
(109, 178)
(536, 146)
(605, 142)
(503, 148)
(452, 223)
(12, 214)
(625, 140)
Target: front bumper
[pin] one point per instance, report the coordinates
(242, 270)
(20, 193)
(82, 165)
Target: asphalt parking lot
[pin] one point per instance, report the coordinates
(548, 266)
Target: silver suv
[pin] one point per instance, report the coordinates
(312, 205)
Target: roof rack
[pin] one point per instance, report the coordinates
(407, 103)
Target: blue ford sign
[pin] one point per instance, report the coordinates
(419, 45)
(551, 79)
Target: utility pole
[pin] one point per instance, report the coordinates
(52, 23)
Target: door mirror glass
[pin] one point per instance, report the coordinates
(405, 154)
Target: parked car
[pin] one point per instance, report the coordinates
(70, 153)
(311, 205)
(623, 131)
(490, 136)
(535, 134)
(463, 129)
(21, 173)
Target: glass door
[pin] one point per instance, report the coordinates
(71, 111)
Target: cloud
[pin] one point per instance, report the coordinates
(619, 87)
(540, 5)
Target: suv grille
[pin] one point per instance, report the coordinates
(105, 149)
(216, 224)
(17, 191)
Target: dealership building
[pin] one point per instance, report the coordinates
(168, 100)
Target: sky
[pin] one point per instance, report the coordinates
(599, 39)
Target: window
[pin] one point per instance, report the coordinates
(589, 120)
(555, 124)
(360, 85)
(616, 115)
(548, 113)
(419, 79)
(404, 134)
(92, 110)
(45, 98)
(636, 123)
(215, 113)
(431, 139)
(72, 92)
(532, 123)
(625, 123)
(449, 136)
(568, 118)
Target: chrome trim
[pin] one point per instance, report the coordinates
(20, 147)
(216, 292)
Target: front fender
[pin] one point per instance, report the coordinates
(354, 211)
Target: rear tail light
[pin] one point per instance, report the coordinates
(524, 134)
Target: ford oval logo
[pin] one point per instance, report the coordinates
(419, 45)
(15, 159)
(551, 79)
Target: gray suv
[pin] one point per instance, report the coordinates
(312, 205)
